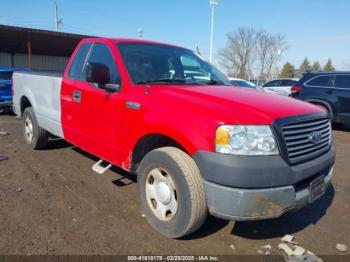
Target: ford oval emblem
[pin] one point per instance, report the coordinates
(315, 137)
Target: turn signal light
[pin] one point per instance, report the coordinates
(222, 136)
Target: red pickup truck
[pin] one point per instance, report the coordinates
(197, 144)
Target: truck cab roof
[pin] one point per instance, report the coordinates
(126, 40)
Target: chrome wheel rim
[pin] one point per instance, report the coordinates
(161, 194)
(28, 129)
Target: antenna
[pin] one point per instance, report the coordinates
(213, 4)
(58, 21)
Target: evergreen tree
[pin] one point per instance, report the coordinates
(287, 71)
(304, 67)
(316, 66)
(328, 66)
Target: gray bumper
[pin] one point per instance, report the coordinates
(254, 204)
(5, 104)
(252, 188)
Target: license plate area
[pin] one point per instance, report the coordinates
(317, 188)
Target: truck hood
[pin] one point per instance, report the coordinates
(232, 104)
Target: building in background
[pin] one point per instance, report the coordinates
(36, 49)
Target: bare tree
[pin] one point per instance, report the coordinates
(247, 47)
(238, 55)
(269, 49)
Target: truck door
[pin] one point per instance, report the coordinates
(91, 115)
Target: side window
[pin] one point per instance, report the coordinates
(78, 62)
(101, 54)
(285, 82)
(321, 81)
(272, 83)
(292, 83)
(342, 81)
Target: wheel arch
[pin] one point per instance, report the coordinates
(24, 103)
(322, 103)
(150, 142)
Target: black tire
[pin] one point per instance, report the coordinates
(40, 137)
(190, 196)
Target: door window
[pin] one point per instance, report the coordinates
(78, 62)
(342, 81)
(321, 81)
(293, 82)
(285, 82)
(272, 83)
(101, 54)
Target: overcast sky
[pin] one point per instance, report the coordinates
(318, 29)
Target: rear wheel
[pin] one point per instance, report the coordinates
(35, 136)
(171, 192)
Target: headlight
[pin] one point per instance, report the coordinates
(245, 140)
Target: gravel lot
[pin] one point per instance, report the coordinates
(51, 202)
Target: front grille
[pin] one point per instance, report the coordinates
(297, 138)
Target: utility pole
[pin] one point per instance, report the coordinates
(213, 4)
(58, 21)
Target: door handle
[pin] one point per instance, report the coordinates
(76, 96)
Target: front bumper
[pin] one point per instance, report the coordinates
(253, 188)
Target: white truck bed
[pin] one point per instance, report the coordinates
(43, 92)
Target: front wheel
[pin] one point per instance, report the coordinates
(171, 192)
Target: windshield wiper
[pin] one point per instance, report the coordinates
(214, 82)
(162, 80)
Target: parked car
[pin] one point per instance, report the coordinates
(247, 84)
(281, 86)
(6, 87)
(196, 145)
(242, 83)
(331, 90)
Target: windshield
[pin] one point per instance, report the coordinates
(162, 64)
